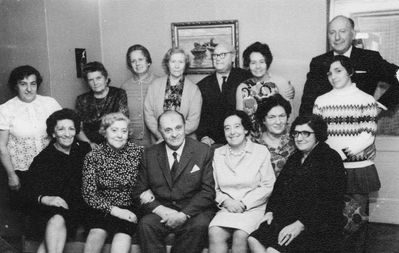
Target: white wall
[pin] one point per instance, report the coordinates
(293, 29)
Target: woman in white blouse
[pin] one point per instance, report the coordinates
(244, 179)
(23, 123)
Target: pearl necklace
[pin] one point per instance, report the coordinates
(240, 153)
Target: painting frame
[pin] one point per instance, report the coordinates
(199, 38)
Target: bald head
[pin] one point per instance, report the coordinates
(341, 33)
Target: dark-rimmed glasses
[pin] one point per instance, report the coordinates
(221, 55)
(304, 134)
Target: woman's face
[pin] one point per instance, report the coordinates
(234, 131)
(97, 81)
(257, 64)
(116, 134)
(27, 89)
(177, 63)
(64, 133)
(139, 62)
(305, 139)
(338, 76)
(275, 120)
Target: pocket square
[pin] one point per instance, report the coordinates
(360, 71)
(194, 169)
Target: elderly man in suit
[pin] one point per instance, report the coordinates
(370, 68)
(179, 174)
(218, 92)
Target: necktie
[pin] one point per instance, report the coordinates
(224, 78)
(175, 165)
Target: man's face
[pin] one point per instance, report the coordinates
(340, 35)
(222, 59)
(172, 129)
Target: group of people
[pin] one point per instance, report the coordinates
(215, 163)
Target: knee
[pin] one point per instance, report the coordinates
(148, 224)
(217, 235)
(96, 234)
(240, 237)
(57, 221)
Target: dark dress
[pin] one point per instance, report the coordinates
(54, 173)
(91, 109)
(313, 193)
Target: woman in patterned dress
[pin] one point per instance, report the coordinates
(173, 92)
(23, 125)
(109, 176)
(99, 101)
(273, 115)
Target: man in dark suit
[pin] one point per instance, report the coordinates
(179, 174)
(218, 92)
(370, 68)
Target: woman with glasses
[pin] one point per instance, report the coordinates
(352, 126)
(173, 92)
(263, 84)
(304, 212)
(273, 114)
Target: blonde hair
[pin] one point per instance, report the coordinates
(109, 119)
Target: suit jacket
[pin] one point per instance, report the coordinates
(192, 191)
(190, 106)
(370, 68)
(217, 104)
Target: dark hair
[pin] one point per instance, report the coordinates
(141, 48)
(269, 103)
(261, 48)
(345, 62)
(316, 122)
(21, 72)
(62, 114)
(165, 113)
(93, 67)
(245, 120)
(168, 55)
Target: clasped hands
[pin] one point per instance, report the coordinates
(234, 206)
(170, 217)
(54, 201)
(123, 214)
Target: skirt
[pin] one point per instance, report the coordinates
(363, 180)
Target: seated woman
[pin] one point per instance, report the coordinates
(99, 101)
(244, 179)
(173, 92)
(304, 212)
(273, 115)
(109, 176)
(54, 181)
(258, 58)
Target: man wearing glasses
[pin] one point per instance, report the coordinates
(219, 94)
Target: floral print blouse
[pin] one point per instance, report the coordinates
(173, 95)
(109, 176)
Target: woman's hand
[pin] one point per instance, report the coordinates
(268, 217)
(13, 182)
(124, 214)
(146, 197)
(234, 206)
(207, 140)
(54, 201)
(290, 232)
(93, 145)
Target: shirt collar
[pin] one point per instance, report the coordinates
(179, 151)
(347, 53)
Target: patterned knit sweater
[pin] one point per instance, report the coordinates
(351, 115)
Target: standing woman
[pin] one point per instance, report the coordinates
(109, 177)
(244, 179)
(99, 101)
(351, 115)
(273, 116)
(173, 92)
(258, 58)
(138, 60)
(23, 124)
(54, 182)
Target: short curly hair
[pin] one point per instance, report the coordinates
(316, 122)
(21, 72)
(271, 102)
(258, 47)
(62, 114)
(93, 67)
(109, 119)
(168, 55)
(245, 120)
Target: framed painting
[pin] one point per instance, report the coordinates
(199, 39)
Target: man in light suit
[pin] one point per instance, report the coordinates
(218, 97)
(370, 68)
(179, 174)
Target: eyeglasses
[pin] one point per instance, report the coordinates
(221, 55)
(305, 134)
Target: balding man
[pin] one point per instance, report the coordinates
(370, 68)
(219, 94)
